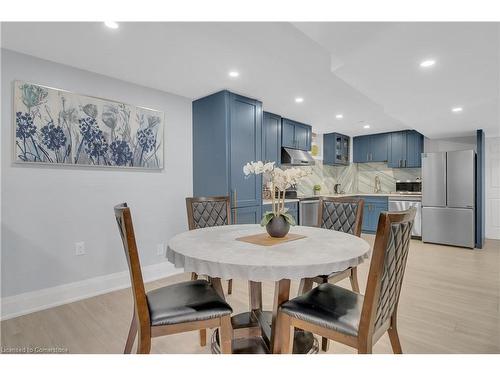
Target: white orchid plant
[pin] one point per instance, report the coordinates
(280, 180)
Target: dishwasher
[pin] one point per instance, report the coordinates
(404, 203)
(308, 212)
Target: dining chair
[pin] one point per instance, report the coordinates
(205, 212)
(349, 317)
(343, 214)
(181, 307)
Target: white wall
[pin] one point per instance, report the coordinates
(449, 144)
(45, 210)
(492, 198)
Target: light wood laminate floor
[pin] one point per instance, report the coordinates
(449, 304)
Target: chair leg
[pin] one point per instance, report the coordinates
(131, 336)
(287, 332)
(203, 337)
(394, 337)
(226, 335)
(144, 344)
(230, 286)
(324, 341)
(203, 332)
(354, 279)
(324, 344)
(364, 346)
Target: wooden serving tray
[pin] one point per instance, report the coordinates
(264, 239)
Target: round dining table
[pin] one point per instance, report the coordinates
(228, 252)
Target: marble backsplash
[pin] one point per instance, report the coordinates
(355, 178)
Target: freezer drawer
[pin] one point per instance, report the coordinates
(449, 226)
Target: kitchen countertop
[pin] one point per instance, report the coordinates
(269, 201)
(391, 195)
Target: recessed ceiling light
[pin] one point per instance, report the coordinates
(339, 116)
(367, 126)
(111, 24)
(299, 100)
(457, 109)
(234, 74)
(427, 63)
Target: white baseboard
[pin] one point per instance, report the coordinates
(42, 299)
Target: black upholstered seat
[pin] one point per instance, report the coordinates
(185, 302)
(328, 306)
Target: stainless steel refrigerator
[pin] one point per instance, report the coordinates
(448, 181)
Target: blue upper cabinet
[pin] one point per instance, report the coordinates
(271, 138)
(397, 150)
(405, 149)
(414, 149)
(379, 147)
(370, 148)
(361, 149)
(335, 149)
(227, 133)
(296, 135)
(400, 149)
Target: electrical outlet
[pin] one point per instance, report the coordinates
(79, 248)
(160, 249)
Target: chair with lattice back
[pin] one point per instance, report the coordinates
(182, 307)
(203, 212)
(343, 214)
(351, 318)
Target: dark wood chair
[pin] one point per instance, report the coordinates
(181, 307)
(343, 215)
(348, 317)
(205, 212)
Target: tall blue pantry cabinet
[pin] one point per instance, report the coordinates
(227, 133)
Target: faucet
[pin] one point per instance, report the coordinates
(377, 188)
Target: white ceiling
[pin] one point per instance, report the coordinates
(369, 72)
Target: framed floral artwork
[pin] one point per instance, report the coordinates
(58, 127)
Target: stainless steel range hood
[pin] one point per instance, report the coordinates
(290, 156)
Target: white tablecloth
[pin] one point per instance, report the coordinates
(216, 252)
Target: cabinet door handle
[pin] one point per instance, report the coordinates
(235, 218)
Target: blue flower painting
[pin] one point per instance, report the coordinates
(58, 127)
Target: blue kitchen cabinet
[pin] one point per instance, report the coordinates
(414, 149)
(246, 215)
(271, 137)
(401, 149)
(335, 149)
(405, 149)
(227, 133)
(361, 149)
(397, 149)
(379, 147)
(370, 148)
(296, 135)
(374, 205)
(287, 133)
(293, 209)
